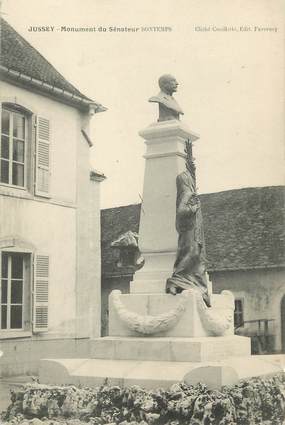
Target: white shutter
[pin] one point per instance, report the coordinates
(42, 157)
(40, 293)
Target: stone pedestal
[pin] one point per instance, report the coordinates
(167, 349)
(161, 362)
(164, 160)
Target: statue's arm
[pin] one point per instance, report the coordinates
(188, 205)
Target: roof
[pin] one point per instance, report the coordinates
(244, 229)
(21, 62)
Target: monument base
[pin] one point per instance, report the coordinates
(170, 348)
(158, 340)
(155, 374)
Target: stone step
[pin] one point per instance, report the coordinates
(94, 372)
(150, 374)
(170, 348)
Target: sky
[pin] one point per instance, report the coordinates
(231, 85)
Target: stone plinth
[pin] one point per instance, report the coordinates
(186, 316)
(155, 374)
(169, 349)
(164, 160)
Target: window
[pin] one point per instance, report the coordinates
(19, 310)
(24, 150)
(13, 148)
(14, 285)
(238, 313)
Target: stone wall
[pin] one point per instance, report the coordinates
(261, 291)
(22, 355)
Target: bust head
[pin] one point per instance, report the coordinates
(168, 84)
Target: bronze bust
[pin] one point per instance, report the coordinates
(168, 107)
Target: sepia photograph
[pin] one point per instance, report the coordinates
(142, 212)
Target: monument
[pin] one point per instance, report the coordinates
(170, 327)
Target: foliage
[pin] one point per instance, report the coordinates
(250, 402)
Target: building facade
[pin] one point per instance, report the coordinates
(245, 245)
(49, 212)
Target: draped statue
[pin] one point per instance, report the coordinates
(190, 265)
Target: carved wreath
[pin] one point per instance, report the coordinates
(146, 324)
(217, 323)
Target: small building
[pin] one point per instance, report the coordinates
(49, 212)
(245, 245)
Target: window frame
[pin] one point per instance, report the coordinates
(26, 329)
(21, 111)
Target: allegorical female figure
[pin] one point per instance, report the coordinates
(190, 265)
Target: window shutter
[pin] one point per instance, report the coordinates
(42, 176)
(40, 293)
